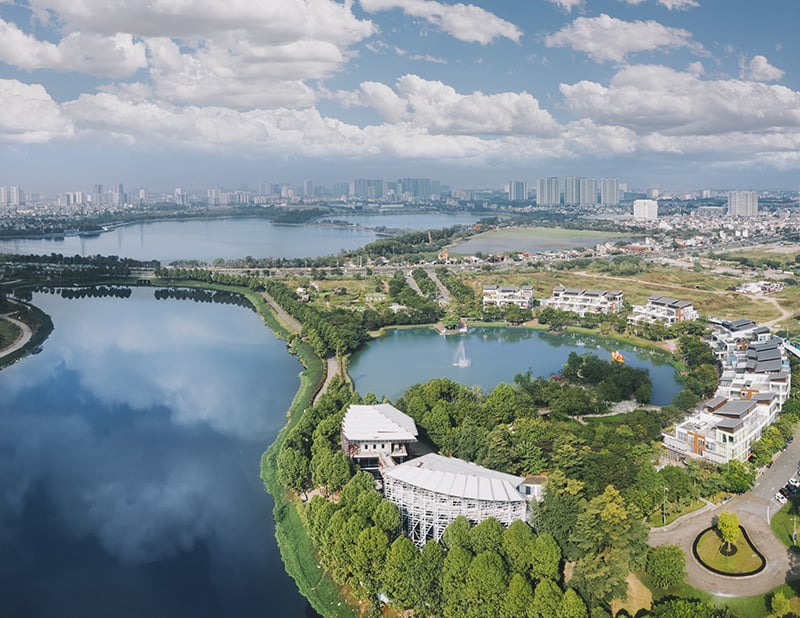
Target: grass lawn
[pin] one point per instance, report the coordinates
(782, 525)
(639, 597)
(745, 560)
(656, 518)
(9, 333)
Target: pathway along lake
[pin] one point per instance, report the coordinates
(485, 357)
(129, 463)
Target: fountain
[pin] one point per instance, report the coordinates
(461, 359)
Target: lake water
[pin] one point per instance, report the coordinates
(532, 240)
(411, 221)
(204, 240)
(487, 356)
(129, 464)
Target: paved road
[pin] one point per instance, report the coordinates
(21, 341)
(413, 285)
(442, 290)
(332, 371)
(754, 509)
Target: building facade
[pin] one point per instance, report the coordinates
(378, 435)
(742, 203)
(663, 309)
(645, 209)
(508, 295)
(548, 192)
(581, 301)
(517, 190)
(609, 191)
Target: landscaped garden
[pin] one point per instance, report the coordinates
(726, 548)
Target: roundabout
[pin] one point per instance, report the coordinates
(738, 559)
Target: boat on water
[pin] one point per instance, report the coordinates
(617, 357)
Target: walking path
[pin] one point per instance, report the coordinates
(21, 341)
(442, 290)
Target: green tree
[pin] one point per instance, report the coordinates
(779, 604)
(601, 577)
(518, 601)
(387, 517)
(545, 559)
(666, 565)
(400, 573)
(518, 549)
(292, 468)
(457, 533)
(486, 536)
(368, 558)
(486, 584)
(571, 606)
(546, 599)
(429, 565)
(728, 526)
(454, 581)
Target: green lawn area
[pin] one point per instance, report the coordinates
(782, 525)
(745, 560)
(9, 333)
(656, 518)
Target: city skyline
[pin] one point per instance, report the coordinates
(683, 94)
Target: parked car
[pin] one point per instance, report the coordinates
(794, 482)
(791, 489)
(782, 491)
(779, 498)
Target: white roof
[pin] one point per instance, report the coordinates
(379, 422)
(456, 477)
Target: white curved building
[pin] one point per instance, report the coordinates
(432, 490)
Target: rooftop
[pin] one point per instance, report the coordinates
(378, 422)
(456, 477)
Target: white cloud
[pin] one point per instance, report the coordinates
(567, 5)
(759, 69)
(606, 38)
(465, 22)
(653, 98)
(117, 55)
(29, 114)
(672, 5)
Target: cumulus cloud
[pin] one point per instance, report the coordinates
(112, 56)
(759, 69)
(606, 38)
(29, 114)
(654, 98)
(567, 5)
(465, 22)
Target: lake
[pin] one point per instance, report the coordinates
(129, 463)
(202, 239)
(485, 357)
(533, 240)
(411, 220)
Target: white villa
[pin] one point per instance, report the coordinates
(432, 490)
(377, 435)
(663, 309)
(580, 301)
(508, 295)
(755, 382)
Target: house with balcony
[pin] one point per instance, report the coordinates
(377, 435)
(583, 302)
(508, 295)
(663, 309)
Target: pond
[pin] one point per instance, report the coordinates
(485, 357)
(129, 463)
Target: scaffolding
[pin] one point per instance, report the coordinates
(476, 493)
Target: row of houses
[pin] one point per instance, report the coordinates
(585, 302)
(755, 382)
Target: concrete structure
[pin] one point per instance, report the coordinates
(517, 190)
(609, 191)
(377, 435)
(580, 301)
(508, 295)
(548, 192)
(572, 191)
(588, 191)
(432, 490)
(742, 203)
(663, 309)
(645, 209)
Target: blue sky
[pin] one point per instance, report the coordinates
(680, 94)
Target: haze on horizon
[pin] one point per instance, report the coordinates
(682, 94)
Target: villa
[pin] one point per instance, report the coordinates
(377, 435)
(663, 309)
(580, 301)
(508, 295)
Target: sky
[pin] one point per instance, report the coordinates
(676, 94)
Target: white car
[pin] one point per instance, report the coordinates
(780, 499)
(794, 482)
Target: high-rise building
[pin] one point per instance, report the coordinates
(118, 195)
(609, 191)
(308, 188)
(572, 191)
(645, 209)
(517, 190)
(97, 195)
(547, 191)
(588, 190)
(742, 203)
(371, 188)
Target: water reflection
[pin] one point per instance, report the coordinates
(129, 453)
(390, 365)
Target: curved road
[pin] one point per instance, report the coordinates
(21, 341)
(754, 509)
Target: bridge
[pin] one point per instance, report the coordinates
(792, 347)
